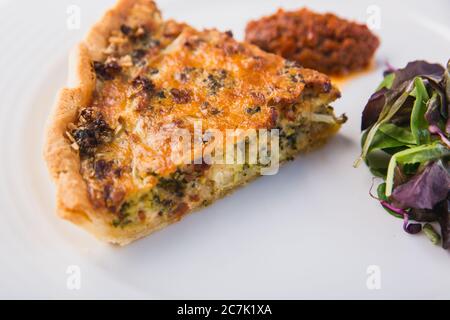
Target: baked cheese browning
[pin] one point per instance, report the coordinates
(323, 42)
(205, 76)
(154, 77)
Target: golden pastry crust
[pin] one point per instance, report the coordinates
(248, 88)
(62, 161)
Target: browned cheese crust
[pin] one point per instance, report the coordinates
(323, 42)
(135, 74)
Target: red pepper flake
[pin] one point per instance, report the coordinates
(273, 116)
(194, 198)
(181, 209)
(206, 108)
(258, 97)
(181, 96)
(142, 216)
(232, 48)
(102, 168)
(113, 197)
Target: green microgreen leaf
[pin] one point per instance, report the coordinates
(387, 81)
(419, 125)
(401, 134)
(419, 154)
(386, 114)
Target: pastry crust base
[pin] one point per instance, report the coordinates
(63, 162)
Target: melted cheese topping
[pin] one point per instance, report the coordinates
(170, 77)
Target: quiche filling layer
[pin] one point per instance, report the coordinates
(198, 185)
(158, 77)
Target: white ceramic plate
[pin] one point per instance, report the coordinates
(311, 231)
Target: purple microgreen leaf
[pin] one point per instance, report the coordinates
(389, 110)
(417, 69)
(433, 114)
(389, 69)
(446, 83)
(423, 215)
(373, 108)
(444, 221)
(419, 154)
(425, 189)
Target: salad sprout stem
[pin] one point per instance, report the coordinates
(429, 231)
(411, 228)
(389, 206)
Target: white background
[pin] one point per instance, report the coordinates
(309, 232)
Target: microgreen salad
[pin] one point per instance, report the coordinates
(405, 141)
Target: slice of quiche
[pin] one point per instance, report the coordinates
(136, 81)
